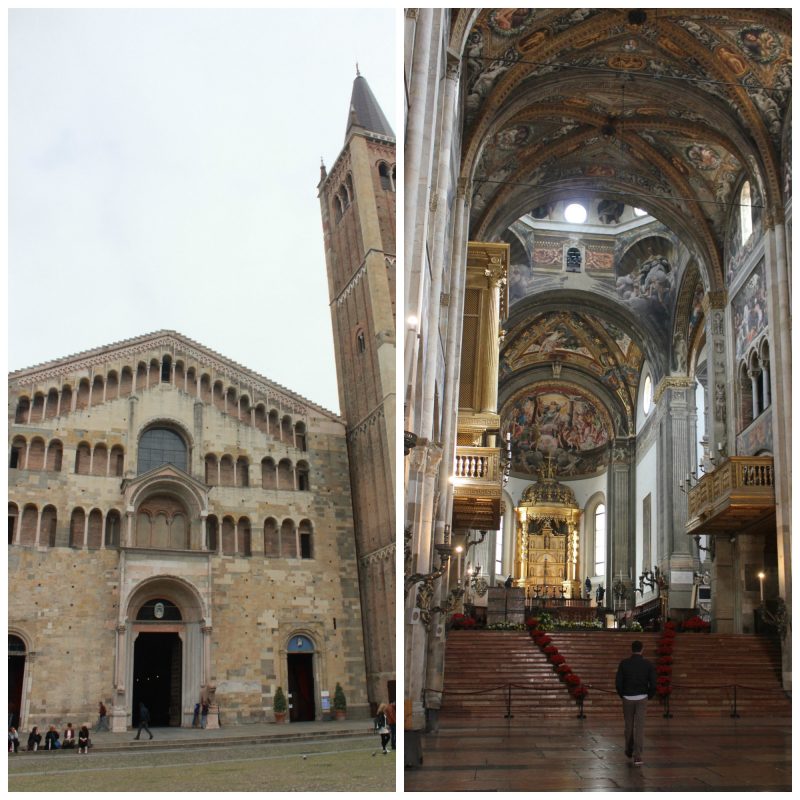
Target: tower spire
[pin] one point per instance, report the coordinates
(364, 111)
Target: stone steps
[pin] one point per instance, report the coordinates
(480, 666)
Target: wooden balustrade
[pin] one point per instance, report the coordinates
(738, 494)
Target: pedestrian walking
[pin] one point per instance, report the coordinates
(382, 726)
(144, 721)
(196, 717)
(102, 718)
(204, 714)
(391, 719)
(636, 684)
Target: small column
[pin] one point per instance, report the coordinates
(119, 712)
(765, 382)
(129, 527)
(38, 527)
(103, 530)
(86, 531)
(754, 375)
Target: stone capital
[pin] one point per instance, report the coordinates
(671, 383)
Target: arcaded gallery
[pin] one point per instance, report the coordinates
(597, 390)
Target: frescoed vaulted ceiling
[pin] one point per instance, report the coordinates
(666, 107)
(664, 110)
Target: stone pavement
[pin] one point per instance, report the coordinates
(722, 754)
(235, 734)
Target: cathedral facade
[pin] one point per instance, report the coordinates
(597, 238)
(180, 528)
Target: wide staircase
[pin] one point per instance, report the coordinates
(485, 670)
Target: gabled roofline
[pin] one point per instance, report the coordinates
(237, 372)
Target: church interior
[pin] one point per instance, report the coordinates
(597, 363)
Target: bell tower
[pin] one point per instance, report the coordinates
(357, 201)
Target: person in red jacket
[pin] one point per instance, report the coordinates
(636, 684)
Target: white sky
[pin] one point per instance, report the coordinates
(162, 174)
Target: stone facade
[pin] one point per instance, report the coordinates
(251, 537)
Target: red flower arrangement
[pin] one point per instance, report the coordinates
(578, 692)
(461, 621)
(572, 680)
(664, 670)
(556, 659)
(664, 660)
(542, 639)
(564, 669)
(696, 624)
(532, 623)
(550, 650)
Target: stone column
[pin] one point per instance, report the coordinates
(778, 298)
(719, 370)
(206, 679)
(677, 457)
(754, 375)
(621, 542)
(489, 358)
(119, 710)
(133, 444)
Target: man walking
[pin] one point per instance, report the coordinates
(144, 721)
(636, 684)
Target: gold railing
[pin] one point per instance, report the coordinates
(477, 488)
(739, 484)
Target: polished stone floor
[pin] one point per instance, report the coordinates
(711, 755)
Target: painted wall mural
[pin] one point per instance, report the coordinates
(560, 422)
(651, 291)
(696, 312)
(750, 310)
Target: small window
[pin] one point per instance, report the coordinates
(746, 212)
(600, 540)
(573, 261)
(361, 342)
(647, 395)
(575, 213)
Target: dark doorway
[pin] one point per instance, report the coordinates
(157, 666)
(16, 674)
(301, 687)
(392, 689)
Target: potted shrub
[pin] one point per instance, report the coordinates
(339, 702)
(279, 705)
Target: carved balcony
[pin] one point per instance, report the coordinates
(737, 497)
(477, 488)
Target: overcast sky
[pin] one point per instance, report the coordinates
(162, 174)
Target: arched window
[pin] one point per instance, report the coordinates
(385, 176)
(288, 540)
(745, 212)
(300, 436)
(27, 530)
(226, 471)
(100, 460)
(97, 390)
(271, 538)
(261, 418)
(48, 527)
(36, 454)
(126, 382)
(52, 404)
(212, 532)
(285, 476)
(228, 547)
(95, 537)
(23, 406)
(269, 476)
(83, 457)
(274, 424)
(600, 540)
(212, 474)
(13, 521)
(166, 370)
(243, 537)
(306, 539)
(54, 456)
(141, 376)
(161, 446)
(242, 472)
(112, 386)
(117, 464)
(83, 394)
(302, 476)
(647, 395)
(17, 459)
(113, 528)
(286, 430)
(37, 415)
(77, 523)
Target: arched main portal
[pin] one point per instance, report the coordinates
(161, 650)
(300, 668)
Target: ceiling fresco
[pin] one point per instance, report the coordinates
(562, 422)
(667, 108)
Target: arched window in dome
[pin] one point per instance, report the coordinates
(745, 212)
(161, 446)
(647, 395)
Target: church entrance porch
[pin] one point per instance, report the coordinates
(16, 674)
(301, 687)
(157, 672)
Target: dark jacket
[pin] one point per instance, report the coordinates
(636, 675)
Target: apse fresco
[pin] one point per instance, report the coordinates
(750, 310)
(560, 337)
(556, 422)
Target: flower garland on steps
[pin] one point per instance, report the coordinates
(664, 665)
(564, 671)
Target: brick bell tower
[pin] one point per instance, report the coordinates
(357, 200)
